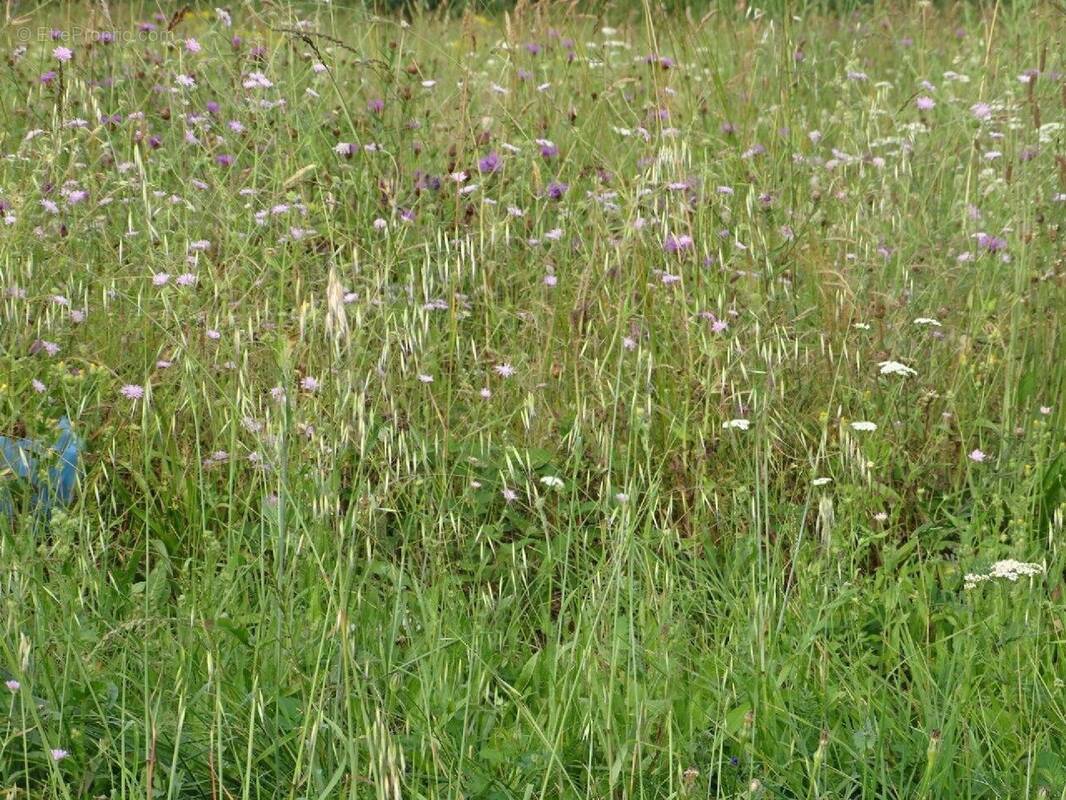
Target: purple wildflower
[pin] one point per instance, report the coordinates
(677, 243)
(993, 244)
(556, 190)
(490, 163)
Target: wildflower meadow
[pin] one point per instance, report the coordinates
(559, 401)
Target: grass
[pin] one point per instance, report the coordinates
(337, 549)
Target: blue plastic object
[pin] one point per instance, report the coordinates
(23, 458)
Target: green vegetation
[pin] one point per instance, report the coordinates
(513, 408)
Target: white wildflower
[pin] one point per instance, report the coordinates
(895, 368)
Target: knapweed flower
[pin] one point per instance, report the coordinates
(485, 393)
(977, 456)
(993, 244)
(490, 163)
(677, 243)
(131, 391)
(63, 54)
(547, 148)
(510, 495)
(309, 384)
(58, 754)
(504, 370)
(556, 190)
(38, 387)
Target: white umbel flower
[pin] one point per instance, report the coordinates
(739, 424)
(896, 368)
(1008, 569)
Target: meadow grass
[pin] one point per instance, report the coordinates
(551, 405)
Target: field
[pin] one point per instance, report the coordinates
(640, 404)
